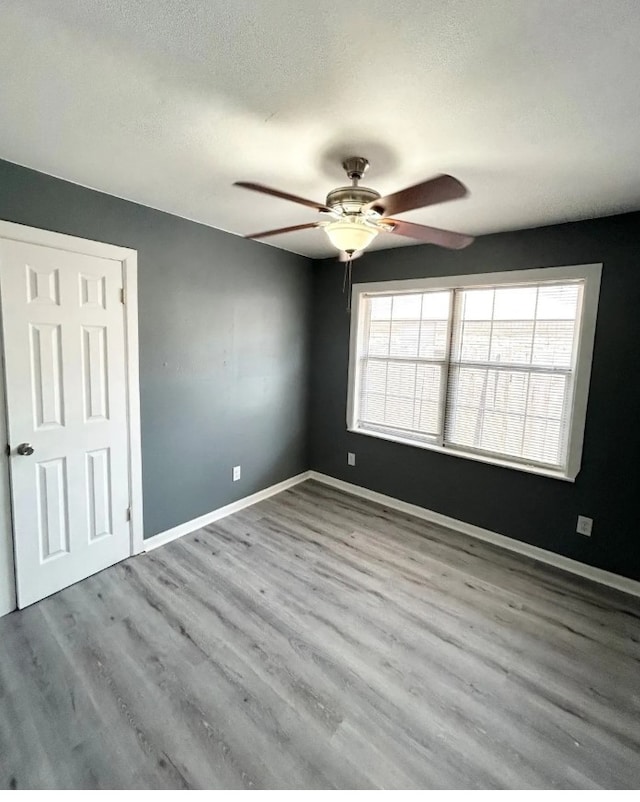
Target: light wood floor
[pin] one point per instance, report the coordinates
(318, 640)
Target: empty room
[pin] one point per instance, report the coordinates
(318, 395)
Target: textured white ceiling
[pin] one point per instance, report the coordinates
(534, 104)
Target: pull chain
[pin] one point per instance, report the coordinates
(347, 281)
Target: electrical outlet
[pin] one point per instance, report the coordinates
(585, 525)
(236, 473)
(351, 458)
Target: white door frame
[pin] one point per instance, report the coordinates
(129, 260)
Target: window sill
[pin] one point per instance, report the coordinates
(502, 463)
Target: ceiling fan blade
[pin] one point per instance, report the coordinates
(435, 236)
(320, 207)
(274, 231)
(343, 256)
(435, 190)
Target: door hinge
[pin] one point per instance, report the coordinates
(128, 514)
(7, 450)
(123, 296)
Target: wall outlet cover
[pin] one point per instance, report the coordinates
(236, 473)
(585, 525)
(351, 458)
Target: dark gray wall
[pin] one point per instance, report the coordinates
(223, 327)
(530, 508)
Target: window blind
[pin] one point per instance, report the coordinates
(510, 376)
(482, 369)
(403, 364)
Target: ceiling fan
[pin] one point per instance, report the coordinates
(358, 214)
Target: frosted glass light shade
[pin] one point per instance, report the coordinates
(350, 235)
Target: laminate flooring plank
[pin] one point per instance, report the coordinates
(395, 526)
(477, 618)
(272, 567)
(276, 649)
(525, 585)
(318, 640)
(379, 641)
(341, 675)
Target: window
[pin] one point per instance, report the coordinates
(491, 367)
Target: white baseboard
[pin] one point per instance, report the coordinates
(622, 583)
(222, 512)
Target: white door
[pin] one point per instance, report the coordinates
(64, 346)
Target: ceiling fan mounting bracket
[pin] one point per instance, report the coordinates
(355, 167)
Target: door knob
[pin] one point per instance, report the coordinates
(25, 449)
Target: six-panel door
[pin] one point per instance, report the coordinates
(63, 331)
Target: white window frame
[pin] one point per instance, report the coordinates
(590, 274)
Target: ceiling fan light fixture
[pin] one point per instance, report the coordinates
(350, 235)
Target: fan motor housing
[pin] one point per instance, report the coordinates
(350, 200)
